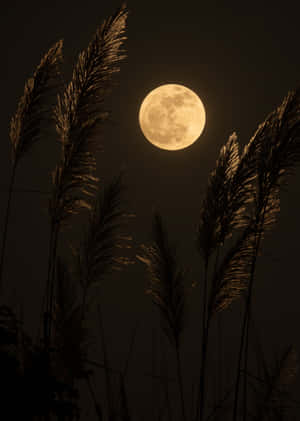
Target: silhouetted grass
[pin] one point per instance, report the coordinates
(26, 127)
(166, 290)
(78, 116)
(241, 203)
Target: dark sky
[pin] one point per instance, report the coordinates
(241, 58)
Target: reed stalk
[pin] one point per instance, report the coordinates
(79, 114)
(205, 328)
(180, 382)
(244, 325)
(166, 290)
(108, 387)
(219, 340)
(223, 211)
(26, 125)
(165, 384)
(97, 407)
(278, 152)
(6, 221)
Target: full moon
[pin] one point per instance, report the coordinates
(172, 117)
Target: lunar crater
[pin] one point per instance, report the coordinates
(172, 117)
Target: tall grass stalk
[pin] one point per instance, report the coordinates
(79, 114)
(278, 152)
(26, 125)
(97, 407)
(242, 342)
(108, 388)
(166, 290)
(223, 211)
(180, 381)
(220, 327)
(6, 220)
(153, 370)
(278, 381)
(125, 413)
(245, 370)
(166, 383)
(219, 341)
(130, 351)
(101, 251)
(205, 329)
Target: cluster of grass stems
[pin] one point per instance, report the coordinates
(240, 205)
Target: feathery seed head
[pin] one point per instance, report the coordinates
(25, 126)
(79, 114)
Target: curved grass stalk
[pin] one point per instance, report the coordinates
(165, 384)
(104, 240)
(6, 221)
(25, 126)
(166, 290)
(78, 115)
(244, 326)
(223, 211)
(205, 329)
(109, 396)
(98, 409)
(277, 154)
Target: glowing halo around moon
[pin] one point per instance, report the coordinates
(172, 117)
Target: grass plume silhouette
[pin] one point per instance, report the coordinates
(42, 381)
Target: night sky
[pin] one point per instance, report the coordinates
(241, 59)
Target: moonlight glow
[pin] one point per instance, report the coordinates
(172, 117)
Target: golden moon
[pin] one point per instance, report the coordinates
(172, 117)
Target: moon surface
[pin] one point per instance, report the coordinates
(172, 117)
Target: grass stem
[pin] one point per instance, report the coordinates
(180, 382)
(6, 222)
(200, 406)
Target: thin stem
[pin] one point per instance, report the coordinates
(46, 295)
(266, 383)
(246, 365)
(200, 404)
(38, 333)
(106, 370)
(153, 371)
(125, 372)
(180, 382)
(248, 310)
(6, 221)
(212, 415)
(246, 315)
(203, 371)
(49, 284)
(219, 338)
(92, 393)
(243, 334)
(165, 383)
(84, 295)
(52, 282)
(220, 355)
